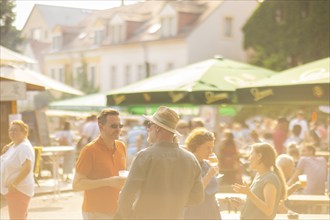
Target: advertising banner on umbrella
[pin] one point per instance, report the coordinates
(305, 84)
(209, 82)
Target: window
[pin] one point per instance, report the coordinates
(153, 69)
(77, 76)
(141, 72)
(57, 42)
(113, 72)
(168, 25)
(36, 34)
(128, 76)
(98, 37)
(91, 75)
(117, 33)
(61, 76)
(169, 66)
(228, 27)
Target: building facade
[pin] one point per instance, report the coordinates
(115, 47)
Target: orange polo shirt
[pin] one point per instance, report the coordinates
(96, 161)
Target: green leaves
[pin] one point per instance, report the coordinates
(284, 34)
(10, 36)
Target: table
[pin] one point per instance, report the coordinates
(325, 154)
(310, 200)
(236, 216)
(296, 198)
(225, 198)
(55, 152)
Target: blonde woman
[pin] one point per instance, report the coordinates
(17, 160)
(201, 143)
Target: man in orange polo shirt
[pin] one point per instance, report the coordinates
(97, 168)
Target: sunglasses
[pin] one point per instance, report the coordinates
(115, 126)
(149, 124)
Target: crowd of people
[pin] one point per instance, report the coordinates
(171, 173)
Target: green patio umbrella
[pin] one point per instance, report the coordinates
(306, 84)
(97, 101)
(92, 102)
(209, 82)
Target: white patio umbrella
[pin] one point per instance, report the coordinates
(9, 57)
(35, 79)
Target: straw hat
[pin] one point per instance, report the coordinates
(166, 118)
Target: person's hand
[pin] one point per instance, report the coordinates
(116, 181)
(236, 202)
(214, 170)
(12, 188)
(244, 189)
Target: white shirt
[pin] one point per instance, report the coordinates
(303, 125)
(11, 164)
(69, 135)
(91, 130)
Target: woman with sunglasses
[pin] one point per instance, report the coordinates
(267, 188)
(17, 160)
(201, 143)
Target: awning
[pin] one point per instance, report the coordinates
(35, 80)
(8, 57)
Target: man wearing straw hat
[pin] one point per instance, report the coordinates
(164, 178)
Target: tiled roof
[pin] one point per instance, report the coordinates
(147, 14)
(57, 15)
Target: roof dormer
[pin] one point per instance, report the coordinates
(117, 29)
(168, 21)
(99, 31)
(57, 38)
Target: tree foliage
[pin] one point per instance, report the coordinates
(9, 35)
(283, 34)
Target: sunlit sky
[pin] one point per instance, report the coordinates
(24, 7)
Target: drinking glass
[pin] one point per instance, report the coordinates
(213, 161)
(303, 180)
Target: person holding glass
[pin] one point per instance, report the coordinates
(267, 188)
(17, 161)
(201, 143)
(98, 166)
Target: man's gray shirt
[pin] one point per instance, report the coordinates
(164, 178)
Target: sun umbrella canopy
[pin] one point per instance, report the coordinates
(10, 57)
(213, 81)
(305, 84)
(93, 102)
(37, 79)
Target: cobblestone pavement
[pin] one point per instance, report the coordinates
(67, 206)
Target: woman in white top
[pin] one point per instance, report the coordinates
(17, 161)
